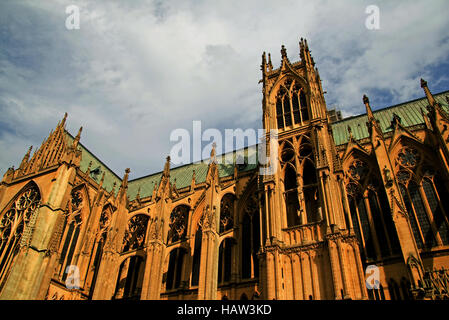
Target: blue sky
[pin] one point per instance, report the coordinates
(136, 70)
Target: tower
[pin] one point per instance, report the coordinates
(309, 249)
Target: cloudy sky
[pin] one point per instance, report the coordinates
(136, 70)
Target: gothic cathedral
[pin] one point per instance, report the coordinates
(350, 199)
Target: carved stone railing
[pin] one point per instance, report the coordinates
(303, 234)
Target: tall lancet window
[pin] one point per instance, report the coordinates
(227, 213)
(135, 232)
(291, 104)
(72, 227)
(309, 181)
(175, 269)
(178, 224)
(301, 194)
(225, 260)
(197, 256)
(370, 211)
(100, 240)
(250, 237)
(12, 223)
(425, 197)
(291, 196)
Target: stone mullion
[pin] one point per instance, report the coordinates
(346, 204)
(440, 204)
(372, 227)
(90, 267)
(429, 215)
(63, 265)
(89, 243)
(415, 216)
(9, 258)
(322, 178)
(61, 244)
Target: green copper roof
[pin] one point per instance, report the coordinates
(409, 112)
(182, 175)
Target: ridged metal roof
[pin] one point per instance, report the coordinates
(409, 112)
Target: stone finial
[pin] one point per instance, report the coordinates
(423, 83)
(283, 52)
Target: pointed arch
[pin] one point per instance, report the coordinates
(21, 211)
(75, 218)
(130, 278)
(291, 100)
(250, 234)
(178, 223)
(225, 257)
(196, 261)
(291, 195)
(227, 214)
(135, 232)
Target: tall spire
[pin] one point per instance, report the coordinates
(429, 95)
(369, 112)
(263, 66)
(25, 159)
(213, 153)
(62, 124)
(283, 52)
(270, 65)
(77, 138)
(166, 172)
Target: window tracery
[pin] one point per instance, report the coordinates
(178, 224)
(421, 195)
(135, 233)
(291, 104)
(71, 230)
(370, 211)
(227, 213)
(12, 225)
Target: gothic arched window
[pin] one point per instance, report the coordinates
(291, 100)
(72, 227)
(310, 190)
(100, 240)
(370, 211)
(135, 233)
(178, 224)
(422, 193)
(175, 266)
(197, 256)
(250, 238)
(225, 260)
(227, 213)
(130, 279)
(12, 224)
(291, 197)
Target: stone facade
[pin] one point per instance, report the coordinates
(366, 190)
